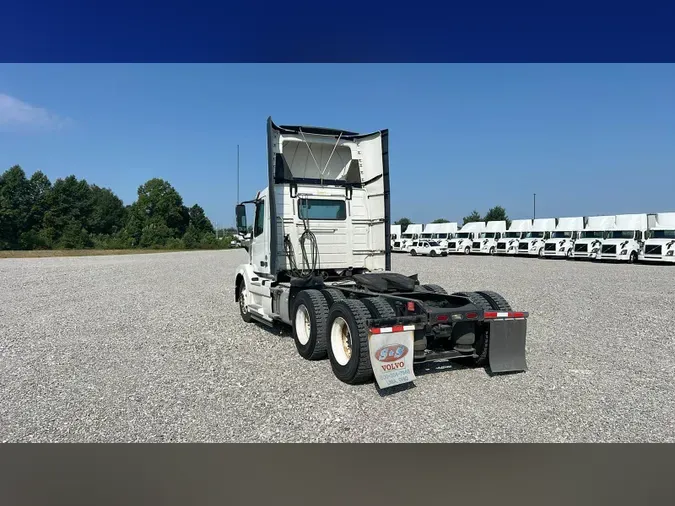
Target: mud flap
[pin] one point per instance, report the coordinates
(506, 352)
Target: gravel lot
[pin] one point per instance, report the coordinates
(152, 348)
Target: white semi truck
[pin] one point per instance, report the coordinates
(660, 243)
(488, 238)
(463, 239)
(439, 232)
(319, 260)
(394, 234)
(625, 239)
(532, 243)
(508, 244)
(411, 233)
(587, 246)
(562, 239)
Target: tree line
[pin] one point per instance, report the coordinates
(497, 213)
(73, 214)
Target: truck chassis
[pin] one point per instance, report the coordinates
(335, 320)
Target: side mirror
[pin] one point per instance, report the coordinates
(241, 219)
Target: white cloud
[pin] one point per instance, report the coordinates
(15, 114)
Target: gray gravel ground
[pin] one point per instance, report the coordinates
(152, 348)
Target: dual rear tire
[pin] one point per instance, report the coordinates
(327, 324)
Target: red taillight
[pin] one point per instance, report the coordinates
(489, 314)
(517, 315)
(442, 317)
(411, 306)
(471, 316)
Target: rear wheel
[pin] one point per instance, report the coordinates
(434, 288)
(310, 311)
(332, 295)
(496, 301)
(482, 343)
(379, 307)
(348, 341)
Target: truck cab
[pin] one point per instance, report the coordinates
(395, 234)
(563, 237)
(486, 243)
(440, 232)
(508, 244)
(590, 240)
(411, 233)
(624, 241)
(532, 243)
(463, 239)
(660, 243)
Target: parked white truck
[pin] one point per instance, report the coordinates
(532, 243)
(319, 260)
(625, 239)
(563, 237)
(394, 234)
(660, 243)
(411, 233)
(508, 244)
(463, 239)
(587, 246)
(439, 232)
(486, 243)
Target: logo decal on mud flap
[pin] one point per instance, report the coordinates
(391, 353)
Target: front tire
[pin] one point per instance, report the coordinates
(541, 253)
(467, 251)
(310, 311)
(492, 251)
(433, 253)
(243, 310)
(413, 252)
(633, 257)
(348, 341)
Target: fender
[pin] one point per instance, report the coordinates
(254, 283)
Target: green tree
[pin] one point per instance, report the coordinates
(440, 220)
(108, 214)
(157, 215)
(69, 207)
(199, 220)
(498, 213)
(404, 222)
(474, 216)
(15, 206)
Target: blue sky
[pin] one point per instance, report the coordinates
(587, 139)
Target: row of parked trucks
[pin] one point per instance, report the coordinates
(624, 237)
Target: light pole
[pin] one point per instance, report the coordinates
(534, 208)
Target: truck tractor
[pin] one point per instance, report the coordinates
(660, 243)
(394, 234)
(625, 239)
(411, 233)
(319, 261)
(533, 241)
(439, 232)
(587, 246)
(463, 239)
(562, 239)
(508, 244)
(487, 240)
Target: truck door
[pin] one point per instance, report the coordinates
(260, 237)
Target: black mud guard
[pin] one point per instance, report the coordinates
(506, 351)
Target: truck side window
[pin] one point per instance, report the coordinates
(259, 218)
